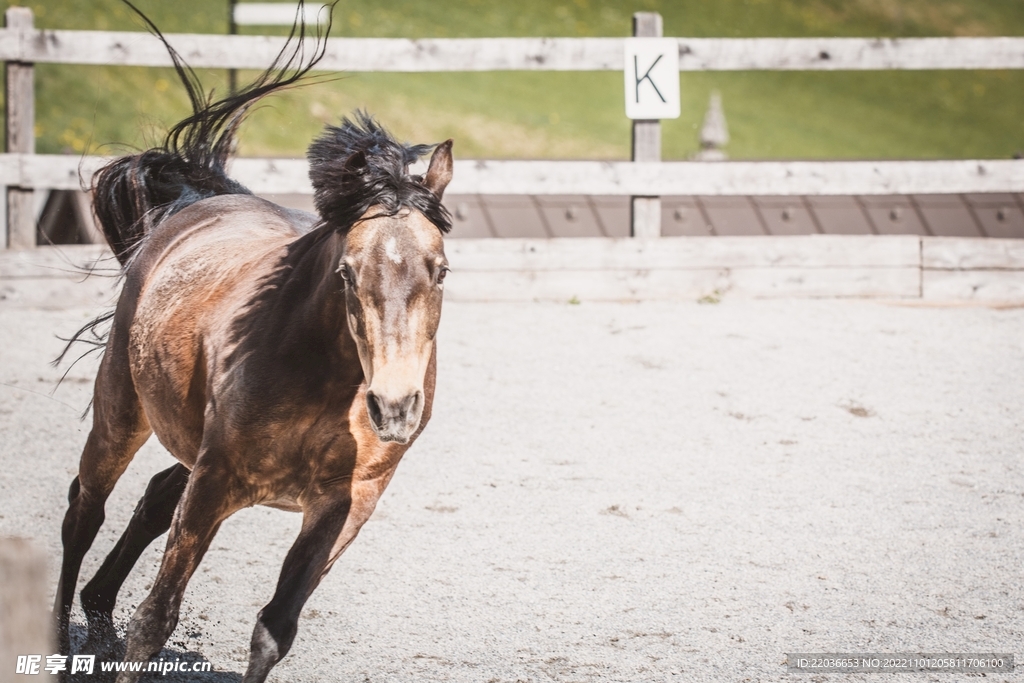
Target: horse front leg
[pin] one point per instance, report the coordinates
(329, 526)
(209, 498)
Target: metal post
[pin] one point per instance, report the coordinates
(645, 212)
(21, 138)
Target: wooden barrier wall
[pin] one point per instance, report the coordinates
(908, 268)
(646, 178)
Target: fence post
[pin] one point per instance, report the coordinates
(232, 30)
(645, 212)
(25, 624)
(21, 138)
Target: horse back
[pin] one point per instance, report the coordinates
(189, 279)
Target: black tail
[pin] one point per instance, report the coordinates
(134, 193)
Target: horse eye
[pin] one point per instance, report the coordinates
(346, 274)
(441, 273)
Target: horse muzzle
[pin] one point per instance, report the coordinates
(394, 419)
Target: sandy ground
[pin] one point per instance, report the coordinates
(610, 492)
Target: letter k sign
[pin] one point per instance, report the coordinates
(646, 76)
(652, 78)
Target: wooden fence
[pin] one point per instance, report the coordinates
(22, 171)
(904, 268)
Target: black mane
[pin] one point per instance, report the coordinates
(134, 193)
(345, 186)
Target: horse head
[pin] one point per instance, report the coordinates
(392, 267)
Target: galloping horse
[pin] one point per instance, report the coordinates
(283, 358)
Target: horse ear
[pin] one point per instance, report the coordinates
(355, 162)
(352, 170)
(439, 174)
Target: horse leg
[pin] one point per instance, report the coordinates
(152, 518)
(119, 429)
(328, 528)
(307, 561)
(208, 500)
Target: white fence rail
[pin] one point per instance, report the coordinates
(63, 172)
(22, 171)
(930, 270)
(276, 14)
(515, 54)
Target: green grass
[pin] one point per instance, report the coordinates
(577, 115)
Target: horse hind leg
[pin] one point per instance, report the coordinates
(119, 429)
(152, 519)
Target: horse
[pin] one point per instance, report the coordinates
(283, 358)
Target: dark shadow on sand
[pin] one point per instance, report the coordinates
(112, 650)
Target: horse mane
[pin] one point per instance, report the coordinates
(353, 167)
(134, 193)
(359, 165)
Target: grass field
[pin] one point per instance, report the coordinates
(580, 115)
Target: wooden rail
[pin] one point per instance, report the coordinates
(937, 270)
(124, 48)
(645, 179)
(65, 172)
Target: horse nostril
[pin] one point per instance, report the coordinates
(411, 405)
(373, 408)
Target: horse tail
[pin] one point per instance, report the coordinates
(133, 194)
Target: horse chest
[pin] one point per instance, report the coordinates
(299, 453)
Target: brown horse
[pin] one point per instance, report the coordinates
(283, 358)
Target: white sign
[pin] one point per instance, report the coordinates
(278, 14)
(652, 78)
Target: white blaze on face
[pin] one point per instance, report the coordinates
(398, 307)
(391, 249)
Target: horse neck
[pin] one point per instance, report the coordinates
(311, 307)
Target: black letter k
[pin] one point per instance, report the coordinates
(646, 77)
